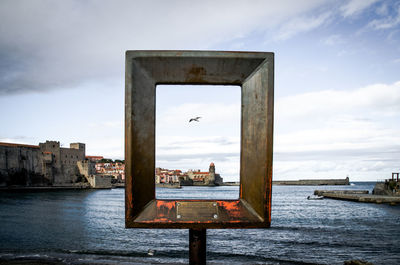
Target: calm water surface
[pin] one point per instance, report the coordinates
(87, 227)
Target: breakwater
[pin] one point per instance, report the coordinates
(322, 192)
(313, 182)
(358, 196)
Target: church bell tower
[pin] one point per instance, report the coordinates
(211, 172)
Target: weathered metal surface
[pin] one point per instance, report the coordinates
(254, 72)
(198, 214)
(256, 139)
(197, 246)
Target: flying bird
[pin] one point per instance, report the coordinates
(194, 119)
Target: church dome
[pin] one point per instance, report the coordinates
(212, 164)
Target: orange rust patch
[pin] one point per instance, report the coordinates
(157, 220)
(229, 205)
(165, 204)
(164, 208)
(233, 208)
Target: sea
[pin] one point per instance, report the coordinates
(87, 227)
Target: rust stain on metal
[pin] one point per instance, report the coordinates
(168, 205)
(196, 75)
(164, 209)
(158, 220)
(232, 207)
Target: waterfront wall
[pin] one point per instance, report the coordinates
(86, 167)
(100, 181)
(21, 165)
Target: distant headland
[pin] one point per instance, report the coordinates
(313, 182)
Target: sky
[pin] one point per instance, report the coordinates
(337, 81)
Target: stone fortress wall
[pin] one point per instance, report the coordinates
(46, 164)
(21, 164)
(61, 163)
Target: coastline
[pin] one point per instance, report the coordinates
(305, 182)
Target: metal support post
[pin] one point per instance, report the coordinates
(197, 246)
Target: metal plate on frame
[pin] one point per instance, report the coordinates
(200, 211)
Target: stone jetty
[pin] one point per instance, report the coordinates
(358, 196)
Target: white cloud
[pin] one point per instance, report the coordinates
(321, 134)
(73, 41)
(195, 145)
(381, 98)
(301, 24)
(48, 45)
(329, 132)
(354, 7)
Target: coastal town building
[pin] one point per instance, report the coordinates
(163, 175)
(114, 169)
(46, 164)
(189, 178)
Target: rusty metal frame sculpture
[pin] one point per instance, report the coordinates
(254, 72)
